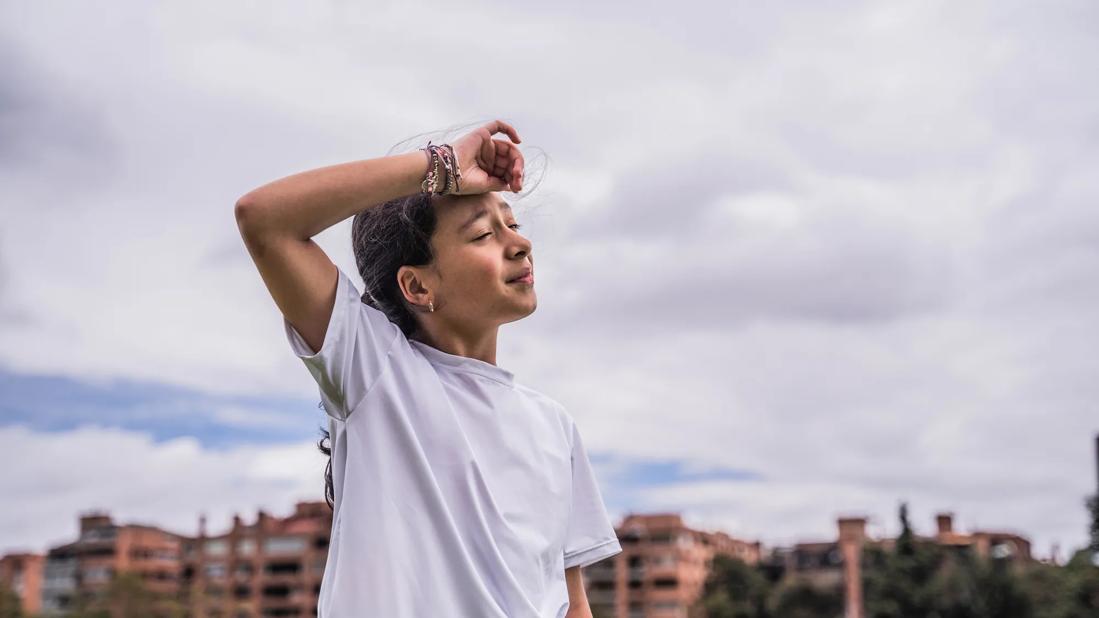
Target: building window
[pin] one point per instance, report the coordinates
(664, 560)
(98, 534)
(246, 547)
(283, 568)
(665, 583)
(1002, 550)
(217, 547)
(215, 570)
(97, 574)
(284, 545)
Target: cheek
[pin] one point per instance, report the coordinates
(480, 270)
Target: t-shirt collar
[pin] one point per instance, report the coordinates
(465, 363)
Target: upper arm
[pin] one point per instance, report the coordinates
(344, 342)
(299, 275)
(578, 598)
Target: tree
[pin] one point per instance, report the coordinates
(126, 596)
(803, 600)
(11, 606)
(734, 589)
(971, 587)
(1093, 510)
(898, 584)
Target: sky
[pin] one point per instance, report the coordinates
(797, 260)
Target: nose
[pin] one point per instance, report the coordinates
(521, 246)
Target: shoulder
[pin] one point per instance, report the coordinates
(543, 399)
(550, 406)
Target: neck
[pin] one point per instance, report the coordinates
(476, 344)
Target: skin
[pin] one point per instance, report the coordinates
(578, 599)
(467, 280)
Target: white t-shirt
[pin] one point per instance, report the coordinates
(458, 491)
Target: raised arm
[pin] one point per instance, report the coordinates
(278, 220)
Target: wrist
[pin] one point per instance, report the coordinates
(437, 175)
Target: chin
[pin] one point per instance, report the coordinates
(525, 310)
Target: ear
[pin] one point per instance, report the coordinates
(412, 283)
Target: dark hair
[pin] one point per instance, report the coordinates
(386, 237)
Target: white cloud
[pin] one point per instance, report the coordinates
(55, 476)
(849, 246)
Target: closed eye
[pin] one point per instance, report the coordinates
(516, 226)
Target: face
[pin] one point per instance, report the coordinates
(477, 248)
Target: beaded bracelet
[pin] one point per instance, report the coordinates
(451, 168)
(448, 186)
(457, 168)
(431, 178)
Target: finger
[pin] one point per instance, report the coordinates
(488, 154)
(497, 126)
(520, 167)
(515, 165)
(502, 163)
(496, 184)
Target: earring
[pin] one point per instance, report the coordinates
(430, 306)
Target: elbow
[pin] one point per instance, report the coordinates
(247, 216)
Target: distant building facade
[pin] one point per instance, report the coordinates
(22, 574)
(81, 571)
(272, 567)
(661, 569)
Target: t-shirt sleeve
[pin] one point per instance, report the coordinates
(354, 353)
(591, 536)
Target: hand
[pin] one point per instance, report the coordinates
(489, 164)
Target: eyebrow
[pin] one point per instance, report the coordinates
(482, 212)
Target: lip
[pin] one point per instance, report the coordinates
(526, 277)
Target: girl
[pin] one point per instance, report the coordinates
(456, 490)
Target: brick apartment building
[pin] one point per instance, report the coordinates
(22, 573)
(83, 569)
(661, 569)
(272, 567)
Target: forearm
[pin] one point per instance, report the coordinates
(579, 612)
(304, 204)
(578, 598)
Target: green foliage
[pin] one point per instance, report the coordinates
(916, 578)
(127, 597)
(898, 584)
(10, 605)
(735, 590)
(920, 579)
(802, 600)
(1093, 511)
